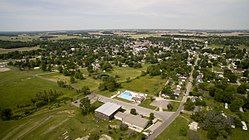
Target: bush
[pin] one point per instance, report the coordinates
(183, 131)
(123, 127)
(133, 111)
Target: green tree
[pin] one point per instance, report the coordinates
(72, 80)
(6, 114)
(85, 106)
(133, 111)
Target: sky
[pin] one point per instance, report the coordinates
(40, 15)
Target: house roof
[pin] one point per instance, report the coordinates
(108, 108)
(135, 120)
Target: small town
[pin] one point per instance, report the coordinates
(181, 82)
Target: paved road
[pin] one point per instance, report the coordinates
(167, 122)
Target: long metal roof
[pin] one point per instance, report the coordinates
(108, 108)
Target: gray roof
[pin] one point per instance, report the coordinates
(135, 120)
(108, 108)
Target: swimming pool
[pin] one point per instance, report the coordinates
(125, 95)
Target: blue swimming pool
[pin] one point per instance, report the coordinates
(125, 95)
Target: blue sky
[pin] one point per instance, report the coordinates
(30, 15)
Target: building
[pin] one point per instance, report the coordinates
(107, 111)
(193, 126)
(135, 122)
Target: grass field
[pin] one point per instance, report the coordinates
(172, 131)
(146, 103)
(52, 124)
(18, 87)
(145, 84)
(2, 51)
(126, 72)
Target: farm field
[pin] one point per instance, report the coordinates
(15, 87)
(2, 51)
(35, 37)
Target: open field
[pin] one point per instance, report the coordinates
(18, 49)
(35, 37)
(52, 124)
(136, 36)
(145, 84)
(172, 131)
(19, 38)
(126, 72)
(18, 87)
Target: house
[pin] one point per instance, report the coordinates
(134, 122)
(193, 126)
(226, 105)
(244, 126)
(107, 111)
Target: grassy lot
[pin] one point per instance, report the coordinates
(172, 131)
(89, 81)
(52, 124)
(126, 72)
(146, 103)
(2, 51)
(175, 105)
(18, 87)
(145, 84)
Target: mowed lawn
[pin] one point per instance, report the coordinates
(172, 131)
(145, 84)
(126, 72)
(18, 87)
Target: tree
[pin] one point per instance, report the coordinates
(72, 80)
(85, 106)
(6, 114)
(152, 116)
(85, 90)
(78, 75)
(216, 125)
(123, 127)
(236, 104)
(153, 70)
(211, 91)
(189, 105)
(170, 107)
(109, 83)
(242, 88)
(133, 111)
